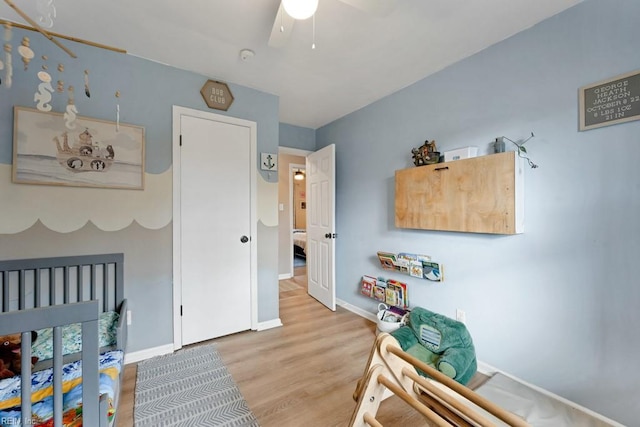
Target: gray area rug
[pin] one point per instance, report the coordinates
(191, 387)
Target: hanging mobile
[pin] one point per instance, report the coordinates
(71, 112)
(86, 84)
(117, 112)
(43, 96)
(25, 51)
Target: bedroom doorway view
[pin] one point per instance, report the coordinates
(299, 218)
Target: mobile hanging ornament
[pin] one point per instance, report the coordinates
(26, 52)
(86, 84)
(47, 13)
(43, 96)
(8, 63)
(71, 111)
(117, 111)
(60, 84)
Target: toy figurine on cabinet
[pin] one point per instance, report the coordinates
(426, 154)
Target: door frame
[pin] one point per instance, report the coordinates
(177, 112)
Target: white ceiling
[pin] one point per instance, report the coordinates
(359, 58)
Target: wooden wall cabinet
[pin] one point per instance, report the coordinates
(478, 195)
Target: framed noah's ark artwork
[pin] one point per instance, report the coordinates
(49, 150)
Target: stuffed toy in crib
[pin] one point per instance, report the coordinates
(440, 342)
(11, 356)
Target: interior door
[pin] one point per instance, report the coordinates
(214, 240)
(321, 234)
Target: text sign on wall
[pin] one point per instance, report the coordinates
(610, 101)
(217, 95)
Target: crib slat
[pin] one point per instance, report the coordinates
(57, 376)
(93, 281)
(105, 288)
(25, 378)
(37, 292)
(21, 291)
(52, 286)
(118, 266)
(65, 284)
(5, 291)
(90, 376)
(80, 284)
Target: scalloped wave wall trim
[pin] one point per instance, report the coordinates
(67, 209)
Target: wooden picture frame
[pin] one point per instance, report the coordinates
(95, 153)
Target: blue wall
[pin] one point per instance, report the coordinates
(297, 137)
(148, 92)
(557, 305)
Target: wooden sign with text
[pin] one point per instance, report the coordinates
(217, 95)
(611, 101)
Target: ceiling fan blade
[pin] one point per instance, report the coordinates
(376, 7)
(282, 27)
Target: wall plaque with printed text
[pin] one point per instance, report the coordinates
(612, 101)
(217, 95)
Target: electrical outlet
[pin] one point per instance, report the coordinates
(461, 316)
(128, 317)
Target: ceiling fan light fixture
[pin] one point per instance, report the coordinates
(300, 9)
(299, 175)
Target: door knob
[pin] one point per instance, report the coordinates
(327, 236)
(244, 239)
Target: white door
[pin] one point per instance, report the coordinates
(321, 225)
(213, 232)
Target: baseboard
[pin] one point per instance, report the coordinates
(285, 276)
(357, 310)
(269, 324)
(148, 353)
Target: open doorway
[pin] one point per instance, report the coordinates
(298, 198)
(292, 210)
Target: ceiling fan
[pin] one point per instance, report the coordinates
(283, 23)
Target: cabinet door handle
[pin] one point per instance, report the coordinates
(442, 168)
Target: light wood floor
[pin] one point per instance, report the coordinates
(303, 373)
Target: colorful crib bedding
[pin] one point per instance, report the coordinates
(42, 348)
(42, 391)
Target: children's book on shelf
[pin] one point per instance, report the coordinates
(380, 293)
(432, 271)
(400, 289)
(391, 296)
(368, 283)
(415, 268)
(387, 260)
